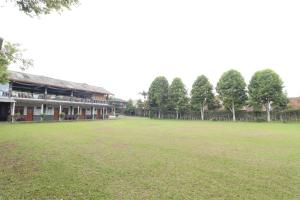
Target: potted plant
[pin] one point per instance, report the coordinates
(62, 116)
(17, 116)
(43, 117)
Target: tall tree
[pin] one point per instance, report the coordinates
(42, 7)
(130, 108)
(144, 94)
(177, 96)
(266, 90)
(11, 54)
(232, 91)
(202, 94)
(158, 94)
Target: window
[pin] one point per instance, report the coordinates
(19, 109)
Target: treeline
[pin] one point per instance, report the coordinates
(264, 93)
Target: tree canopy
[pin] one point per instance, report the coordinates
(202, 94)
(178, 100)
(232, 90)
(158, 94)
(42, 7)
(11, 54)
(266, 89)
(130, 108)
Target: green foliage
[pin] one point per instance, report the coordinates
(144, 94)
(158, 93)
(62, 116)
(130, 108)
(11, 54)
(40, 7)
(215, 104)
(178, 99)
(202, 93)
(140, 104)
(282, 103)
(267, 87)
(232, 90)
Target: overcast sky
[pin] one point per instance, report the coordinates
(122, 45)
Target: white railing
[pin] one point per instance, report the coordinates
(28, 95)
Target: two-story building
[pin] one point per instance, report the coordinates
(30, 97)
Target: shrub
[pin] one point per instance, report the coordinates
(62, 116)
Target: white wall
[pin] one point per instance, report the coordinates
(25, 110)
(88, 111)
(49, 110)
(36, 110)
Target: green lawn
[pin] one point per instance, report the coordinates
(149, 159)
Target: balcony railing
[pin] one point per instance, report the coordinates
(28, 95)
(4, 93)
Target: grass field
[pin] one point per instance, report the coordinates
(149, 159)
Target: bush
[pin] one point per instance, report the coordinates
(260, 119)
(62, 116)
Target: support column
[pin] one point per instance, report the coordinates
(103, 113)
(10, 89)
(46, 92)
(114, 111)
(78, 112)
(93, 113)
(42, 112)
(12, 112)
(59, 113)
(72, 95)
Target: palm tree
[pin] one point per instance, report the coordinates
(144, 94)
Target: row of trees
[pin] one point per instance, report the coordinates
(264, 92)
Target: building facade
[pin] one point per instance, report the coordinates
(30, 97)
(119, 105)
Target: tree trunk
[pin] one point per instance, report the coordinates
(177, 114)
(268, 112)
(202, 113)
(158, 114)
(233, 112)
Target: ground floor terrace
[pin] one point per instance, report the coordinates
(26, 110)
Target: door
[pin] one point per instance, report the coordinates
(56, 113)
(4, 111)
(29, 114)
(98, 114)
(83, 113)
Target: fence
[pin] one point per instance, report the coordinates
(257, 116)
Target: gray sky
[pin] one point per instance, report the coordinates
(122, 45)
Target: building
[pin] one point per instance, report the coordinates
(30, 97)
(118, 104)
(294, 103)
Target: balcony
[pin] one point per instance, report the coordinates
(28, 95)
(4, 93)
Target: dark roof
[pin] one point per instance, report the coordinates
(47, 81)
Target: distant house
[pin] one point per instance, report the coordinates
(294, 103)
(118, 104)
(30, 97)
